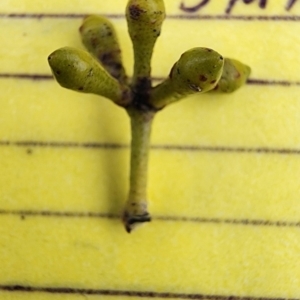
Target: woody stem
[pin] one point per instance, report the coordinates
(136, 207)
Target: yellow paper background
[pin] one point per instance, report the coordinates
(225, 214)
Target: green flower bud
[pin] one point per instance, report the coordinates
(234, 75)
(144, 18)
(100, 39)
(77, 70)
(197, 71)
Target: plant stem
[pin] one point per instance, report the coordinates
(164, 94)
(142, 68)
(136, 207)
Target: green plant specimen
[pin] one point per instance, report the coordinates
(100, 71)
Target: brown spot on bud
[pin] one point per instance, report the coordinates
(202, 78)
(237, 75)
(135, 11)
(94, 42)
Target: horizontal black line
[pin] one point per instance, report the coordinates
(272, 82)
(26, 76)
(41, 144)
(263, 150)
(224, 17)
(237, 17)
(251, 81)
(56, 15)
(58, 214)
(128, 293)
(253, 222)
(116, 146)
(71, 214)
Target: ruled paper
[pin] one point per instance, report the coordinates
(224, 177)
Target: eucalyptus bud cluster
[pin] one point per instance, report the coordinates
(100, 70)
